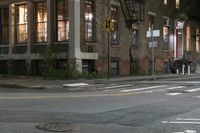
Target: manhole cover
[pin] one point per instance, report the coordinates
(58, 127)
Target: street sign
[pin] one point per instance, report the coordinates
(107, 24)
(156, 33)
(153, 45)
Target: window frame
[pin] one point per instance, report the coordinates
(43, 22)
(17, 25)
(115, 28)
(93, 26)
(166, 25)
(65, 20)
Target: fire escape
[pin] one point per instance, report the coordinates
(133, 11)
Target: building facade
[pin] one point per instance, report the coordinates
(72, 32)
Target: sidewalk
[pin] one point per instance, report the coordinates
(40, 83)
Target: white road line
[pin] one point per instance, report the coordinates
(187, 119)
(173, 94)
(144, 88)
(176, 87)
(181, 122)
(118, 86)
(193, 90)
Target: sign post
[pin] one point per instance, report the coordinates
(153, 44)
(107, 24)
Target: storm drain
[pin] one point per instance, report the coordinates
(58, 127)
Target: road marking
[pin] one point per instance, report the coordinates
(186, 131)
(118, 86)
(187, 119)
(144, 88)
(173, 94)
(177, 87)
(193, 90)
(190, 131)
(181, 122)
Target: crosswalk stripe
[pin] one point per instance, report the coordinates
(176, 87)
(193, 90)
(173, 94)
(118, 86)
(144, 88)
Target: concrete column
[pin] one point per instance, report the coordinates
(183, 69)
(30, 38)
(189, 70)
(50, 26)
(30, 26)
(74, 21)
(11, 28)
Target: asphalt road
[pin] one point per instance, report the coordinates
(161, 106)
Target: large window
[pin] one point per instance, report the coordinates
(177, 4)
(21, 23)
(62, 20)
(165, 2)
(197, 40)
(41, 22)
(114, 18)
(151, 22)
(4, 24)
(166, 30)
(188, 39)
(89, 21)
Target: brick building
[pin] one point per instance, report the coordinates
(74, 29)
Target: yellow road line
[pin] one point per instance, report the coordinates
(60, 97)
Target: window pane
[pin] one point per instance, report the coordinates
(63, 30)
(89, 20)
(21, 32)
(62, 20)
(42, 33)
(88, 31)
(41, 11)
(114, 18)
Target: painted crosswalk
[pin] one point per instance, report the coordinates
(171, 90)
(143, 88)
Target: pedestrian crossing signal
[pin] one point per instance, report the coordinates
(108, 24)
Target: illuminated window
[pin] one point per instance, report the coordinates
(114, 18)
(4, 24)
(188, 34)
(165, 2)
(177, 4)
(89, 21)
(41, 22)
(21, 24)
(197, 40)
(166, 30)
(150, 22)
(62, 20)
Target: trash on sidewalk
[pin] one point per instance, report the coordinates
(75, 85)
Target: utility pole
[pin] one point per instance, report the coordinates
(153, 53)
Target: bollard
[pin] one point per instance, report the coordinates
(189, 70)
(177, 71)
(183, 69)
